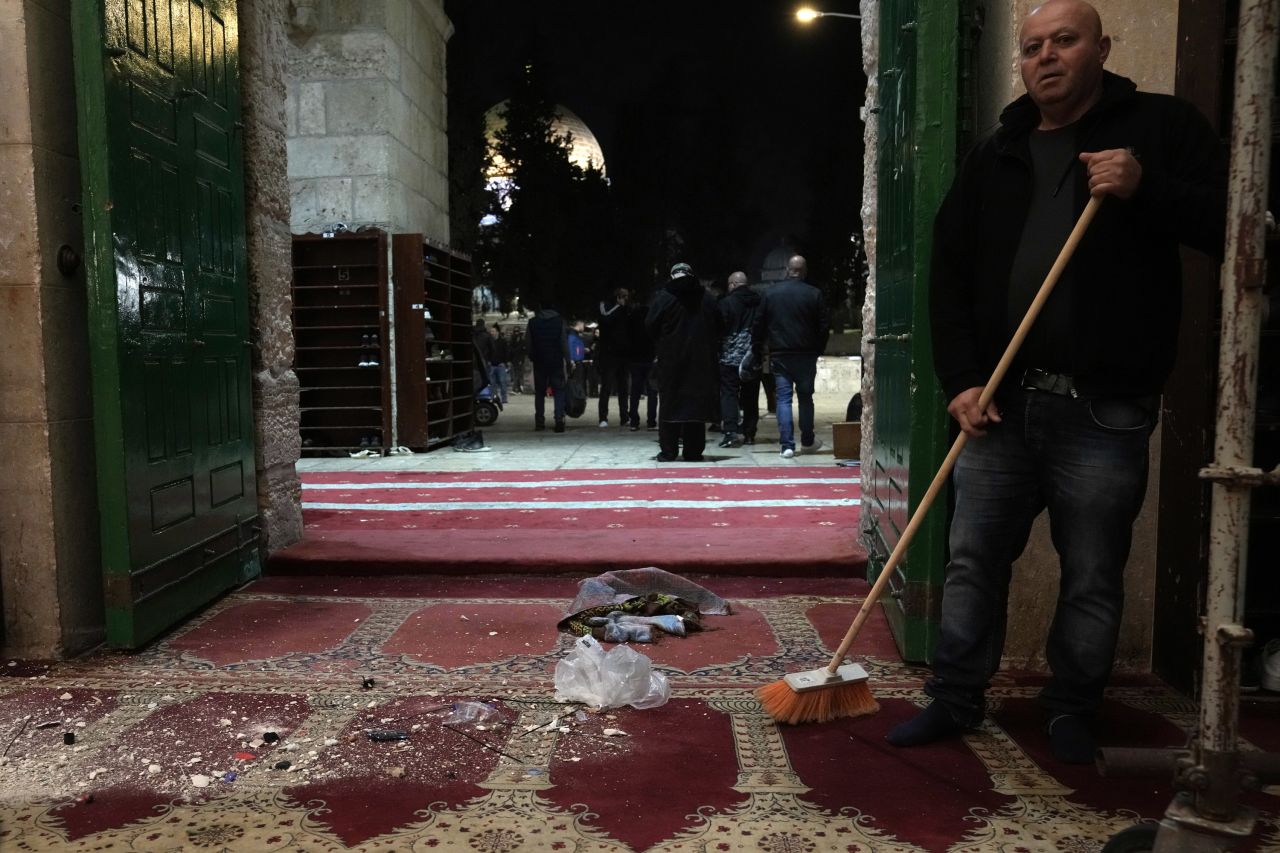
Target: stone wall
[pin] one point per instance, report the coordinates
(275, 386)
(49, 551)
(367, 115)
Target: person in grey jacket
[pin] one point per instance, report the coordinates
(796, 323)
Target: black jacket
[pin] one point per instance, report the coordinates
(548, 338)
(685, 326)
(611, 342)
(639, 342)
(1126, 276)
(738, 312)
(793, 319)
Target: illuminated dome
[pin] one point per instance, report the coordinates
(584, 150)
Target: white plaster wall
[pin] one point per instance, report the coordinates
(367, 118)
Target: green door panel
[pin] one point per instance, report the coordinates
(917, 115)
(161, 160)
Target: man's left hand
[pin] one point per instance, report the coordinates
(1112, 172)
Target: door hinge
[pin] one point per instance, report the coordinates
(877, 339)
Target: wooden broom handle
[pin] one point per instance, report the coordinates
(984, 399)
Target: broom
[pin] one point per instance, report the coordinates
(837, 690)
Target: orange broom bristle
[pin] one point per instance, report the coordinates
(785, 705)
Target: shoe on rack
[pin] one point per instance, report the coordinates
(812, 448)
(787, 453)
(559, 426)
(604, 423)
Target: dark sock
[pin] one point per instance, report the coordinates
(931, 724)
(1071, 739)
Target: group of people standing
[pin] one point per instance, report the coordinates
(710, 358)
(696, 360)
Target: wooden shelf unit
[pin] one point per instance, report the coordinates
(340, 321)
(435, 356)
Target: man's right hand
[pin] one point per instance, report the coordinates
(973, 421)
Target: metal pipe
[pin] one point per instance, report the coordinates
(1243, 276)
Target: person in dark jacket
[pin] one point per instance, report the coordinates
(1068, 430)
(685, 325)
(611, 348)
(548, 341)
(638, 356)
(796, 323)
(738, 312)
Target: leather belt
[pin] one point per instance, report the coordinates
(1034, 379)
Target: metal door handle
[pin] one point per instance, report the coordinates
(903, 338)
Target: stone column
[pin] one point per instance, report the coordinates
(367, 115)
(50, 572)
(275, 386)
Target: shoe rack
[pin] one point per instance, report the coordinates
(435, 357)
(341, 342)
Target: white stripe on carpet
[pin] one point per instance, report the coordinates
(558, 484)
(533, 505)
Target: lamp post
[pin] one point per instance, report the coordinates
(807, 15)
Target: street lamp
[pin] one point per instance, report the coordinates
(806, 15)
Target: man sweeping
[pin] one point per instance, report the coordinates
(1068, 429)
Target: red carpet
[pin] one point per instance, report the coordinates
(786, 522)
(170, 751)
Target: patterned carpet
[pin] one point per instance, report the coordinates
(684, 519)
(174, 750)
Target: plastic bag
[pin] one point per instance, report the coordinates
(620, 676)
(470, 712)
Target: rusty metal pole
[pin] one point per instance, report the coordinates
(1217, 775)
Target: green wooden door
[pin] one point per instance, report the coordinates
(917, 128)
(160, 149)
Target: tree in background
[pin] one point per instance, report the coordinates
(549, 230)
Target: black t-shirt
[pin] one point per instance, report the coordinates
(1050, 219)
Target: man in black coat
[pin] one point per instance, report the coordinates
(796, 323)
(739, 375)
(685, 325)
(1068, 430)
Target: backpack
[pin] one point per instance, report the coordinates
(575, 392)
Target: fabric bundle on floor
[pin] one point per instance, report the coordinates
(628, 605)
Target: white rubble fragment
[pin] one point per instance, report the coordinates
(65, 696)
(200, 780)
(153, 769)
(614, 733)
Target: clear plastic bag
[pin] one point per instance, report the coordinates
(470, 712)
(620, 676)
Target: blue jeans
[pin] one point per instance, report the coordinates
(500, 381)
(798, 371)
(1086, 462)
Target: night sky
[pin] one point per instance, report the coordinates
(745, 116)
